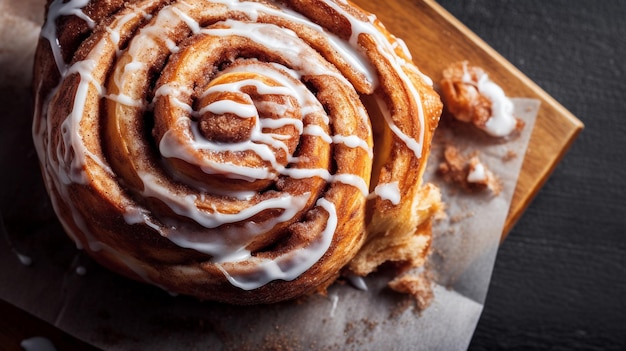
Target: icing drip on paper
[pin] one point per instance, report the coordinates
(37, 343)
(25, 260)
(334, 299)
(358, 282)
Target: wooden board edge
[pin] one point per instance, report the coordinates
(521, 199)
(575, 122)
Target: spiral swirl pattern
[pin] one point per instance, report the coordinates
(222, 148)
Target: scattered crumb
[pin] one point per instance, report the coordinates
(452, 168)
(469, 173)
(402, 306)
(509, 156)
(360, 332)
(278, 342)
(460, 217)
(419, 286)
(479, 175)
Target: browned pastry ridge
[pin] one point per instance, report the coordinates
(242, 152)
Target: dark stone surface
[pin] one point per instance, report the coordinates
(560, 277)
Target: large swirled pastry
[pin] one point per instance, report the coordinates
(224, 149)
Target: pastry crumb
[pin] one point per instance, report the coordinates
(472, 97)
(509, 156)
(418, 286)
(469, 173)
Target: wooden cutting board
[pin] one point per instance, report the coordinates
(436, 38)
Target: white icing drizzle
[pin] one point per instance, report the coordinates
(350, 53)
(56, 10)
(357, 281)
(292, 264)
(334, 299)
(242, 110)
(411, 143)
(226, 244)
(190, 22)
(387, 50)
(502, 122)
(388, 191)
(71, 152)
(137, 215)
(477, 173)
(186, 206)
(351, 141)
(260, 142)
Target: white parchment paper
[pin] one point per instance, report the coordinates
(42, 272)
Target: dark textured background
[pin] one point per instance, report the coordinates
(560, 277)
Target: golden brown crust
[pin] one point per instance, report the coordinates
(144, 167)
(403, 238)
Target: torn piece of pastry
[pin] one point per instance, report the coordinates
(236, 151)
(403, 239)
(417, 285)
(470, 96)
(468, 172)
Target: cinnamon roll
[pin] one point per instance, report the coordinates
(236, 151)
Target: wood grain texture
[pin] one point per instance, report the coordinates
(436, 38)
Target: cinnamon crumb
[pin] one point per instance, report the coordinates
(469, 173)
(360, 332)
(509, 156)
(280, 343)
(460, 217)
(419, 286)
(401, 306)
